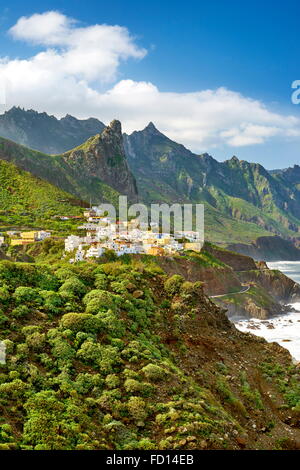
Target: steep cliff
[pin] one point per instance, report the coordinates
(120, 356)
(236, 282)
(103, 157)
(269, 248)
(96, 171)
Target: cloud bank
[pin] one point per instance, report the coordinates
(75, 63)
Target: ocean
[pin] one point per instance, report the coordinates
(284, 329)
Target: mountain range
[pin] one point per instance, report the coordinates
(45, 133)
(96, 170)
(244, 202)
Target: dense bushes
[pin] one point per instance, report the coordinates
(81, 322)
(88, 365)
(173, 284)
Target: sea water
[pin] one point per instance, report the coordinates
(283, 329)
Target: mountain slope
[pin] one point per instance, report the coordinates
(235, 190)
(289, 176)
(27, 199)
(47, 133)
(103, 157)
(96, 170)
(244, 202)
(118, 356)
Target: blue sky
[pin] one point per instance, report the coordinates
(182, 48)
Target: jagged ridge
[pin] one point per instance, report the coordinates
(97, 170)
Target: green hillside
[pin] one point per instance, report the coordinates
(243, 200)
(85, 172)
(120, 356)
(30, 201)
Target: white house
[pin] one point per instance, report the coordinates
(42, 235)
(79, 255)
(189, 235)
(72, 242)
(94, 252)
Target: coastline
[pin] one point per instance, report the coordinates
(282, 329)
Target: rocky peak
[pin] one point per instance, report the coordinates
(103, 157)
(116, 127)
(113, 133)
(151, 129)
(69, 117)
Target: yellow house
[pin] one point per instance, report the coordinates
(164, 240)
(149, 241)
(29, 236)
(26, 237)
(194, 246)
(155, 251)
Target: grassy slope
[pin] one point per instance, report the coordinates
(144, 363)
(55, 170)
(30, 201)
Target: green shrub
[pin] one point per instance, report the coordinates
(20, 311)
(173, 284)
(52, 301)
(3, 319)
(101, 281)
(73, 286)
(64, 273)
(112, 381)
(15, 389)
(146, 444)
(132, 386)
(36, 341)
(99, 299)
(81, 322)
(27, 295)
(137, 408)
(154, 372)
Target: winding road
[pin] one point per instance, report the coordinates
(231, 293)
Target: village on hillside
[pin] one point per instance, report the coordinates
(131, 237)
(100, 233)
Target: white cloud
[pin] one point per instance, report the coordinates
(90, 53)
(47, 28)
(64, 78)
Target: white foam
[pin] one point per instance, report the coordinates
(284, 329)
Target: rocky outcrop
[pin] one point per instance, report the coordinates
(217, 280)
(269, 248)
(236, 261)
(281, 287)
(103, 157)
(96, 171)
(256, 304)
(243, 287)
